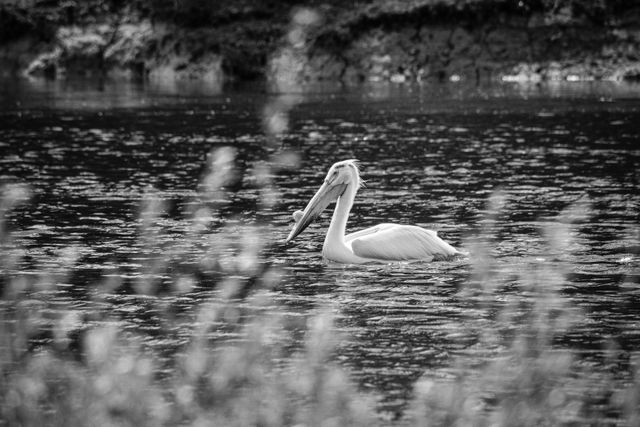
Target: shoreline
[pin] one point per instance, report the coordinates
(481, 41)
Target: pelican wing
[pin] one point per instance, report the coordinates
(392, 242)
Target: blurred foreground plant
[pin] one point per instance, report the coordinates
(524, 377)
(67, 368)
(61, 367)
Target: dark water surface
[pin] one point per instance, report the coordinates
(430, 156)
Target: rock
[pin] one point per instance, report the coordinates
(84, 42)
(379, 67)
(82, 50)
(132, 50)
(45, 64)
(627, 71)
(524, 72)
(77, 50)
(554, 71)
(398, 78)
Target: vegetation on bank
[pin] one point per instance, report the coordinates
(368, 39)
(43, 16)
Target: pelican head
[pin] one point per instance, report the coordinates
(340, 176)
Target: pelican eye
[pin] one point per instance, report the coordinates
(331, 176)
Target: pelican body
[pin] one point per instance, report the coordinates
(381, 243)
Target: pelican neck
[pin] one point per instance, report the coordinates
(338, 225)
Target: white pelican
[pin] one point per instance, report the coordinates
(381, 243)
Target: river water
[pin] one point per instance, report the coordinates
(430, 156)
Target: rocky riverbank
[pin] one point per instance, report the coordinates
(376, 41)
(477, 41)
